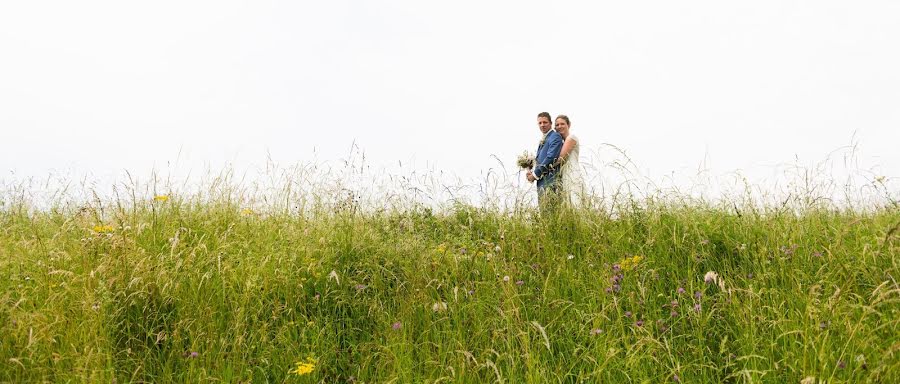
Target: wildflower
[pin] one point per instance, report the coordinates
(675, 378)
(360, 287)
(617, 287)
(674, 304)
(596, 331)
(396, 326)
(194, 354)
(697, 307)
(628, 314)
(674, 313)
(841, 364)
(103, 228)
(161, 198)
(463, 250)
(246, 211)
(608, 289)
(506, 279)
(639, 323)
(441, 248)
(698, 295)
(520, 282)
(304, 367)
(470, 292)
(616, 267)
(680, 290)
(817, 254)
(497, 249)
(570, 257)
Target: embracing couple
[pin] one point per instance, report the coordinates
(556, 168)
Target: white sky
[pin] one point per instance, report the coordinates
(97, 87)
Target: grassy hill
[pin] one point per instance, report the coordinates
(176, 289)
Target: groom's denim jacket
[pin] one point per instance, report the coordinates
(545, 167)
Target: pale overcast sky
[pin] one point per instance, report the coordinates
(98, 87)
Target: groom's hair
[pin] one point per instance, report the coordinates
(545, 114)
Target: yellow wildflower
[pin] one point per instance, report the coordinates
(247, 211)
(161, 198)
(103, 228)
(630, 262)
(305, 367)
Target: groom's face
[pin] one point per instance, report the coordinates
(544, 124)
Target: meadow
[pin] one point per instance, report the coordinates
(179, 287)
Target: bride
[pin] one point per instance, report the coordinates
(573, 188)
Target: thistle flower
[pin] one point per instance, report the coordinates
(396, 326)
(680, 290)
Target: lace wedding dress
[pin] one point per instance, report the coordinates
(572, 177)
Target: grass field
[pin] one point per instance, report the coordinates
(175, 288)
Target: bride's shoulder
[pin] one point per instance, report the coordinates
(573, 138)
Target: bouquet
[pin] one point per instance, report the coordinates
(525, 161)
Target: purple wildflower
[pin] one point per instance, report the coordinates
(628, 314)
(697, 307)
(817, 254)
(680, 290)
(639, 323)
(617, 287)
(674, 304)
(698, 295)
(616, 267)
(396, 326)
(360, 287)
(673, 313)
(675, 378)
(520, 282)
(608, 289)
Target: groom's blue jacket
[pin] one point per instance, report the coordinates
(545, 168)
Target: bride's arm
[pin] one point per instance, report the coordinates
(567, 147)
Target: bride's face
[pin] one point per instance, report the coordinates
(562, 127)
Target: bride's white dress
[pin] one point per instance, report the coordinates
(572, 176)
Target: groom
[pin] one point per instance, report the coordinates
(545, 171)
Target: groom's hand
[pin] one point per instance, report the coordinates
(530, 177)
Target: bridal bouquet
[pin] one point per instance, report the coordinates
(525, 161)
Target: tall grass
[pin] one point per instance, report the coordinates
(238, 284)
